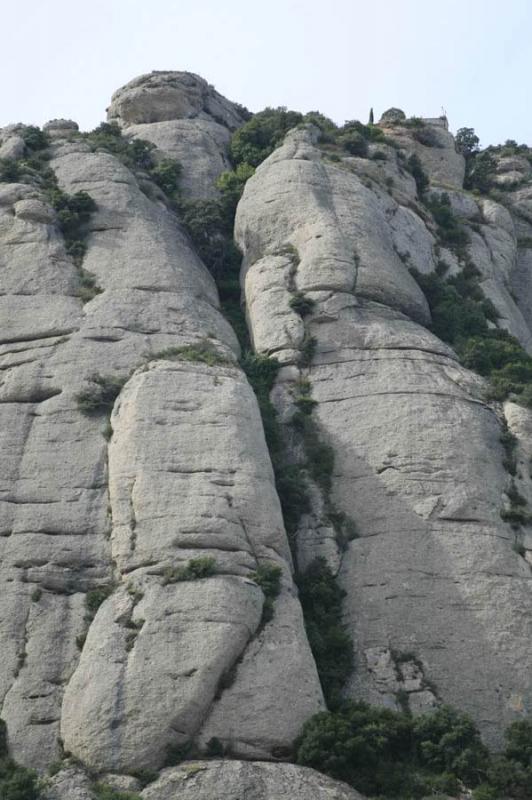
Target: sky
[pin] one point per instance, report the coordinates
(64, 58)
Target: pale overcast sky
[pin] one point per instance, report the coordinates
(64, 58)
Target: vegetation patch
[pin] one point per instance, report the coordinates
(321, 600)
(195, 570)
(94, 599)
(450, 233)
(204, 353)
(414, 166)
(268, 577)
(16, 783)
(301, 304)
(392, 754)
(102, 791)
(73, 213)
(460, 316)
(99, 398)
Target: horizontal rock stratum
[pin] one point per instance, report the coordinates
(112, 649)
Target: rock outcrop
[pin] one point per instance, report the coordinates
(134, 626)
(79, 515)
(438, 601)
(184, 118)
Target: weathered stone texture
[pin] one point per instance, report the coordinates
(239, 779)
(185, 119)
(437, 585)
(418, 462)
(56, 511)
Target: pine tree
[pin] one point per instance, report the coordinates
(371, 117)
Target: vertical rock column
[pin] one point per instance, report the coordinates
(437, 599)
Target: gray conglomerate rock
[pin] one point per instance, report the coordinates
(185, 119)
(112, 649)
(189, 475)
(64, 519)
(432, 143)
(236, 780)
(433, 582)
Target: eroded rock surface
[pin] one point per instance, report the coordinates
(433, 579)
(111, 647)
(239, 779)
(66, 503)
(185, 119)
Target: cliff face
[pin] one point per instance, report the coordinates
(437, 596)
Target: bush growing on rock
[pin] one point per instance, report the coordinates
(480, 172)
(73, 213)
(231, 185)
(460, 316)
(415, 168)
(259, 137)
(353, 142)
(321, 600)
(204, 353)
(195, 570)
(268, 577)
(467, 142)
(104, 792)
(451, 234)
(16, 783)
(10, 171)
(167, 174)
(35, 138)
(99, 398)
(392, 754)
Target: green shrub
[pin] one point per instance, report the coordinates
(481, 170)
(167, 175)
(450, 233)
(34, 138)
(73, 213)
(308, 350)
(89, 289)
(215, 748)
(195, 570)
(321, 600)
(10, 170)
(176, 753)
(104, 792)
(16, 783)
(414, 166)
(353, 142)
(99, 398)
(301, 304)
(292, 489)
(447, 741)
(204, 353)
(371, 133)
(259, 137)
(133, 153)
(485, 792)
(392, 754)
(95, 597)
(231, 185)
(519, 742)
(467, 142)
(328, 128)
(206, 223)
(460, 316)
(510, 778)
(268, 577)
(145, 776)
(360, 745)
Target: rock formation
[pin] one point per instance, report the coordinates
(107, 652)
